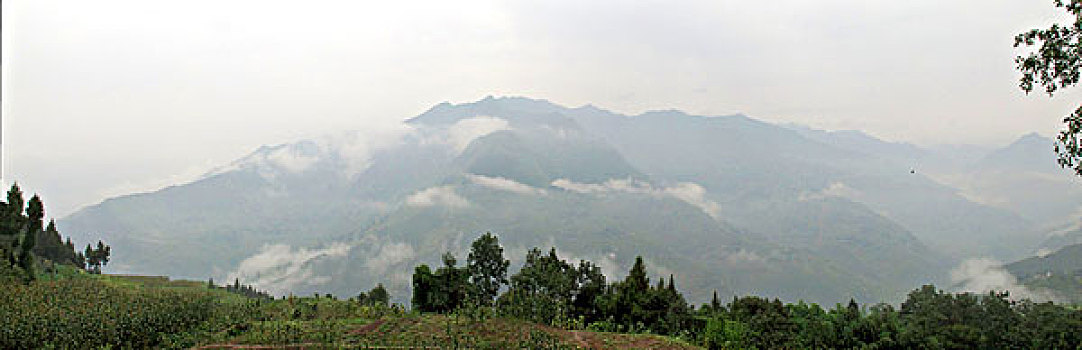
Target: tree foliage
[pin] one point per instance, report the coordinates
(25, 239)
(550, 290)
(487, 268)
(445, 290)
(97, 257)
(378, 296)
(1055, 64)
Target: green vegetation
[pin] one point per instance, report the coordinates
(74, 309)
(549, 303)
(1057, 64)
(1058, 273)
(551, 291)
(25, 243)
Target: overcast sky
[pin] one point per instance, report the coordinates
(102, 98)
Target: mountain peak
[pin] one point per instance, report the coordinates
(1031, 152)
(448, 113)
(1032, 138)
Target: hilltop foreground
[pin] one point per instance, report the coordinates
(70, 309)
(67, 308)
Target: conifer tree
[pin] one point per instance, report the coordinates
(35, 212)
(93, 263)
(636, 278)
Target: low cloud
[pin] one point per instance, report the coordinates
(836, 189)
(437, 196)
(688, 192)
(279, 268)
(505, 184)
(983, 275)
(389, 255)
(353, 150)
(744, 256)
(291, 159)
(461, 133)
(695, 195)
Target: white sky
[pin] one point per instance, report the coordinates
(102, 98)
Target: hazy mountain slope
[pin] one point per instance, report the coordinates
(1022, 177)
(1059, 272)
(727, 203)
(1062, 235)
(653, 138)
(856, 140)
(751, 167)
(296, 194)
(611, 229)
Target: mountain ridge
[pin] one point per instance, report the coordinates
(797, 210)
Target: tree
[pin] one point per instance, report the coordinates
(97, 257)
(15, 201)
(91, 259)
(35, 212)
(80, 260)
(378, 296)
(423, 288)
(636, 278)
(75, 256)
(1054, 65)
(487, 268)
(591, 286)
(453, 285)
(442, 291)
(12, 225)
(103, 253)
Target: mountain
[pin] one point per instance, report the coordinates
(755, 168)
(1059, 272)
(725, 203)
(1031, 152)
(1023, 178)
(1063, 235)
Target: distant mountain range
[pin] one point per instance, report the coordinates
(726, 203)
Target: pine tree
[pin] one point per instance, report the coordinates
(15, 201)
(80, 260)
(35, 212)
(93, 265)
(104, 251)
(636, 278)
(73, 255)
(12, 224)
